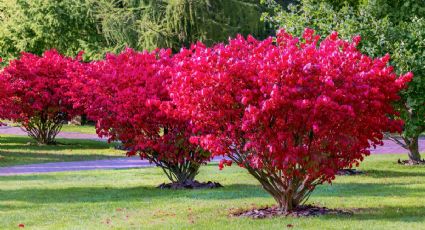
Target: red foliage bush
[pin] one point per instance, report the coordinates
(292, 112)
(34, 94)
(3, 93)
(127, 95)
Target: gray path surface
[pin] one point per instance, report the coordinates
(68, 135)
(131, 162)
(390, 147)
(120, 163)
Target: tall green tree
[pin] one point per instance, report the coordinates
(409, 54)
(37, 25)
(100, 26)
(386, 26)
(148, 24)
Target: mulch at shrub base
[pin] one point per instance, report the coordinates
(300, 211)
(349, 172)
(190, 185)
(410, 162)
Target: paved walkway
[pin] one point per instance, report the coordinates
(131, 162)
(120, 163)
(390, 147)
(67, 135)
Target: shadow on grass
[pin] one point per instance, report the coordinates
(396, 212)
(389, 173)
(384, 213)
(17, 150)
(139, 193)
(368, 190)
(26, 143)
(22, 158)
(29, 177)
(8, 208)
(233, 191)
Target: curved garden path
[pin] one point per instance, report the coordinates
(68, 135)
(389, 147)
(120, 163)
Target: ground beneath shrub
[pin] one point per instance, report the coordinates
(410, 162)
(190, 185)
(301, 211)
(349, 172)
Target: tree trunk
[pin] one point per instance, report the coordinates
(410, 143)
(182, 173)
(413, 145)
(289, 193)
(44, 129)
(286, 204)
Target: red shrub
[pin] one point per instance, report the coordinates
(291, 112)
(35, 94)
(127, 95)
(3, 93)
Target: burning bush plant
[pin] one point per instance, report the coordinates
(292, 111)
(127, 95)
(34, 94)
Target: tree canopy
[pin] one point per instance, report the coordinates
(38, 25)
(394, 27)
(100, 26)
(149, 24)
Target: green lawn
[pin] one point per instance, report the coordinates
(389, 196)
(88, 129)
(17, 150)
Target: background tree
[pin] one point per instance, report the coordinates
(101, 26)
(292, 112)
(38, 25)
(149, 24)
(393, 27)
(35, 96)
(409, 55)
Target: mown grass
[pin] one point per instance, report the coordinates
(388, 196)
(87, 129)
(18, 150)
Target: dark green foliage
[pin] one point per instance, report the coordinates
(148, 24)
(37, 25)
(386, 26)
(396, 10)
(99, 26)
